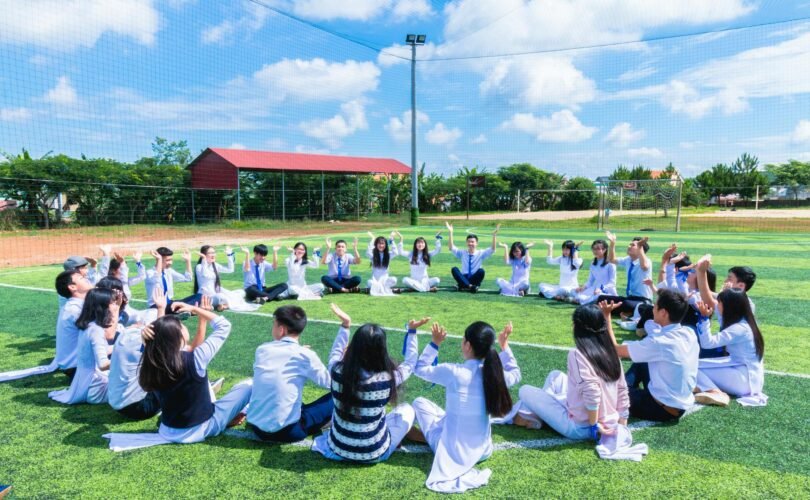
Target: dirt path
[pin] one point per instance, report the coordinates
(584, 214)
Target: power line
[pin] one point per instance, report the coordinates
(614, 44)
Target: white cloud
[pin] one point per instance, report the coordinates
(301, 148)
(623, 134)
(400, 129)
(15, 114)
(276, 143)
(354, 10)
(636, 74)
(480, 139)
(253, 19)
(561, 126)
(332, 131)
(801, 133)
(645, 153)
(65, 25)
(237, 145)
(441, 135)
(318, 79)
(412, 8)
(688, 144)
(63, 94)
(401, 54)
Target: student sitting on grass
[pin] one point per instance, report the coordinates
(569, 263)
(380, 254)
(521, 262)
(339, 278)
(364, 381)
(165, 277)
(98, 325)
(593, 398)
(86, 266)
(297, 264)
(739, 277)
(116, 267)
(742, 373)
(254, 273)
(639, 269)
(665, 362)
(73, 286)
(419, 259)
(281, 369)
(601, 276)
(460, 435)
(471, 274)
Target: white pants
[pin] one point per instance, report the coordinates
(512, 289)
(225, 410)
(550, 291)
(382, 286)
(423, 285)
(549, 403)
(398, 421)
(732, 380)
(304, 293)
(430, 417)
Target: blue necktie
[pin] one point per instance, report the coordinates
(339, 270)
(469, 267)
(258, 277)
(165, 283)
(629, 278)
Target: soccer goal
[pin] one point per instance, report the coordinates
(640, 205)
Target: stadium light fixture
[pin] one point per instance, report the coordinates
(414, 40)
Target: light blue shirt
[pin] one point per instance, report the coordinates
(67, 334)
(123, 388)
(635, 278)
(262, 269)
(153, 279)
(471, 262)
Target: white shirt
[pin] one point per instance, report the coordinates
(249, 277)
(379, 272)
(67, 334)
(602, 277)
(569, 278)
(153, 279)
(520, 270)
(89, 385)
(672, 355)
(332, 261)
(471, 262)
(738, 340)
(466, 432)
(635, 279)
(123, 274)
(207, 278)
(281, 369)
(419, 271)
(297, 271)
(123, 388)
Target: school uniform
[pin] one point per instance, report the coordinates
(124, 391)
(419, 279)
(340, 273)
(166, 280)
(564, 400)
(280, 370)
(569, 278)
(381, 283)
(367, 434)
(123, 274)
(741, 373)
(601, 281)
(471, 273)
(519, 282)
(187, 413)
(297, 283)
(459, 436)
(89, 385)
(255, 284)
(636, 292)
(206, 274)
(67, 336)
(665, 362)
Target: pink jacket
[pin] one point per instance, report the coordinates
(586, 390)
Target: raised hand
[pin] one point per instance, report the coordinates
(704, 263)
(228, 250)
(610, 237)
(182, 307)
(448, 226)
(345, 319)
(118, 257)
(370, 234)
(92, 261)
(147, 333)
(502, 244)
(503, 337)
(438, 334)
(497, 228)
(206, 303)
(105, 249)
(186, 255)
(276, 248)
(328, 244)
(355, 243)
(159, 298)
(529, 245)
(416, 323)
(669, 252)
(548, 243)
(154, 254)
(607, 308)
(137, 254)
(704, 309)
(245, 249)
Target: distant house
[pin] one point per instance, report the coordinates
(8, 204)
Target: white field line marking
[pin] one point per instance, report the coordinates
(403, 330)
(27, 271)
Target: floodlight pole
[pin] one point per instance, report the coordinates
(413, 41)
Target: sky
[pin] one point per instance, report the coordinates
(572, 86)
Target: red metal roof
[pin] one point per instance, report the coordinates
(243, 159)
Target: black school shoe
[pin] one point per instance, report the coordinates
(473, 289)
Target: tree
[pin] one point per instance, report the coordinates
(535, 185)
(718, 181)
(747, 175)
(580, 194)
(637, 173)
(794, 175)
(171, 153)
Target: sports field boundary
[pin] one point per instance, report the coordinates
(401, 330)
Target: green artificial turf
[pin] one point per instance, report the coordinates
(51, 450)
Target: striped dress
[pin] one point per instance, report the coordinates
(361, 435)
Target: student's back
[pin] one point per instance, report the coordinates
(123, 388)
(187, 403)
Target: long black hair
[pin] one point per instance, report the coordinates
(162, 361)
(481, 337)
(305, 258)
(203, 250)
(96, 308)
(604, 245)
(425, 255)
(380, 259)
(594, 342)
(112, 283)
(115, 265)
(572, 252)
(517, 246)
(367, 354)
(736, 308)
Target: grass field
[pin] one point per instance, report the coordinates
(49, 450)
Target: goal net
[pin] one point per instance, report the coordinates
(640, 205)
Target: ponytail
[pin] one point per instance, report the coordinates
(481, 337)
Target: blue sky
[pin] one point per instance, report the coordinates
(104, 77)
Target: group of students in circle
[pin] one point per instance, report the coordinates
(145, 362)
